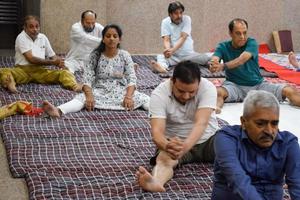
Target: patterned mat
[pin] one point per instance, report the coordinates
(89, 155)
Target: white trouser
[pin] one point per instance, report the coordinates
(199, 58)
(74, 65)
(71, 106)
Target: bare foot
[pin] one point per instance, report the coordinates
(78, 87)
(293, 59)
(136, 66)
(157, 68)
(148, 182)
(10, 84)
(51, 110)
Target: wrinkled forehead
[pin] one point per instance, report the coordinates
(31, 22)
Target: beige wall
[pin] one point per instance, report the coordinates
(140, 20)
(57, 17)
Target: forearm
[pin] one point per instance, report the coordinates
(194, 136)
(40, 61)
(87, 90)
(130, 91)
(179, 43)
(166, 43)
(242, 59)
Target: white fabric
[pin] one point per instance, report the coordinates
(71, 106)
(40, 47)
(174, 31)
(288, 118)
(180, 118)
(186, 51)
(82, 44)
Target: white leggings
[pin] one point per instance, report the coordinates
(75, 105)
(71, 106)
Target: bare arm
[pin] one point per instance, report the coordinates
(202, 117)
(54, 60)
(180, 42)
(216, 66)
(169, 51)
(158, 126)
(128, 101)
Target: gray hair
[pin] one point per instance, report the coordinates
(259, 98)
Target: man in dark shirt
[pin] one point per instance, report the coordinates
(253, 160)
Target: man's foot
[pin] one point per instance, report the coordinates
(10, 84)
(51, 110)
(293, 59)
(157, 68)
(148, 182)
(78, 87)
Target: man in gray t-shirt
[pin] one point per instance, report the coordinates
(183, 124)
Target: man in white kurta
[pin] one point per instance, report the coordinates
(85, 37)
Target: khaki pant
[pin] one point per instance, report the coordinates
(38, 74)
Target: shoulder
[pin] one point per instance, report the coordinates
(186, 18)
(124, 52)
(42, 36)
(234, 132)
(205, 85)
(287, 136)
(251, 41)
(162, 90)
(98, 26)
(21, 36)
(166, 21)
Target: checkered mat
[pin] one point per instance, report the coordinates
(144, 60)
(89, 155)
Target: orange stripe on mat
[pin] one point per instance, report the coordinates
(282, 72)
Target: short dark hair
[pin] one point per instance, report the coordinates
(187, 72)
(30, 17)
(232, 22)
(87, 11)
(174, 6)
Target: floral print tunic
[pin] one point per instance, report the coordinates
(109, 78)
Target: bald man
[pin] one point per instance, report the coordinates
(85, 37)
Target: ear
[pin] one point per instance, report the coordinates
(243, 122)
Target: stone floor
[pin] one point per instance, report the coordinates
(10, 188)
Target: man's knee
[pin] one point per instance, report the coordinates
(222, 92)
(288, 91)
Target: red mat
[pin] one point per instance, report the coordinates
(282, 72)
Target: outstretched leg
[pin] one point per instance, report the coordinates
(162, 172)
(293, 59)
(292, 94)
(222, 95)
(148, 182)
(51, 110)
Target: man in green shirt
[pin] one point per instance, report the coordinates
(240, 62)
